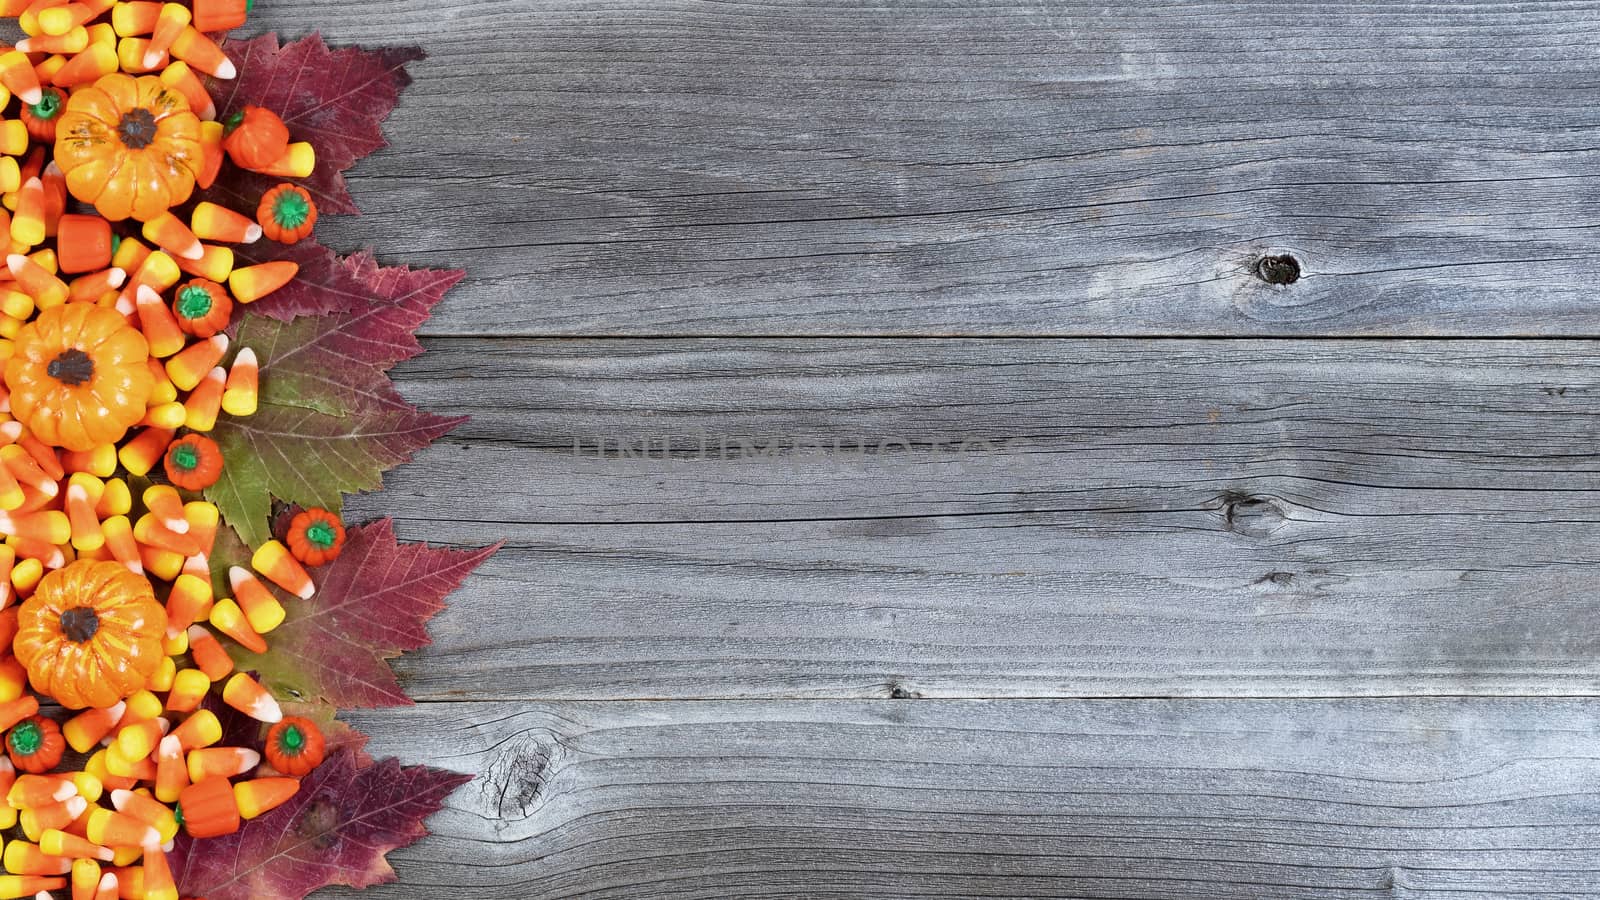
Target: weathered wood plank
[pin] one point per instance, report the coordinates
(935, 167)
(1011, 518)
(1108, 799)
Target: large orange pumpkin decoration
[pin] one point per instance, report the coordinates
(91, 634)
(79, 376)
(130, 146)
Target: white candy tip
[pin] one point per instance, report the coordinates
(147, 294)
(32, 96)
(152, 59)
(252, 234)
(224, 71)
(266, 710)
(116, 276)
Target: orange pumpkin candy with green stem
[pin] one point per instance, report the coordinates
(40, 118)
(79, 376)
(130, 146)
(91, 634)
(202, 307)
(287, 214)
(255, 138)
(35, 745)
(295, 746)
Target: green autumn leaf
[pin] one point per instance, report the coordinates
(227, 551)
(310, 458)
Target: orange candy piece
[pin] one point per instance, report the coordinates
(209, 808)
(83, 243)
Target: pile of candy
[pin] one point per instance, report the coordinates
(114, 304)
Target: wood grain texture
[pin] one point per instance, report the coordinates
(934, 167)
(978, 518)
(778, 522)
(1082, 799)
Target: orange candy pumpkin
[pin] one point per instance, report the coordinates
(79, 376)
(295, 746)
(91, 634)
(129, 145)
(255, 138)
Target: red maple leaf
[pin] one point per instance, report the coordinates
(326, 283)
(335, 99)
(371, 604)
(338, 362)
(335, 831)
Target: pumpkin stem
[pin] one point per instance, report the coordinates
(26, 738)
(290, 210)
(292, 741)
(48, 106)
(321, 535)
(79, 624)
(194, 302)
(137, 129)
(72, 368)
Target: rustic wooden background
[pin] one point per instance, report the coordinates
(988, 526)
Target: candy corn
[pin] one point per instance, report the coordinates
(208, 654)
(169, 233)
(56, 842)
(228, 618)
(114, 829)
(85, 729)
(273, 560)
(86, 876)
(239, 396)
(261, 609)
(190, 366)
(29, 885)
(248, 696)
(262, 795)
(218, 223)
(251, 283)
(172, 772)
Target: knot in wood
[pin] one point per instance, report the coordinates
(1278, 268)
(1253, 516)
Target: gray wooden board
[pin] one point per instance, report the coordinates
(976, 518)
(1409, 798)
(840, 519)
(939, 167)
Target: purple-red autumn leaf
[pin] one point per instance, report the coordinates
(335, 831)
(371, 604)
(325, 283)
(338, 362)
(335, 99)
